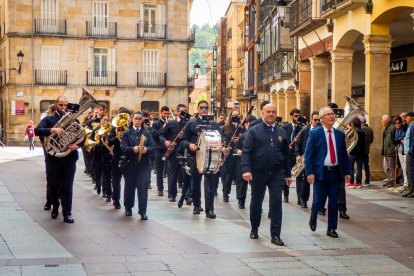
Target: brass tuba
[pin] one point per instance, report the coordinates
(352, 109)
(57, 145)
(120, 121)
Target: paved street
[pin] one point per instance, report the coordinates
(377, 240)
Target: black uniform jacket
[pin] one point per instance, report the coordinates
(155, 132)
(44, 129)
(130, 139)
(114, 141)
(170, 132)
(262, 155)
(300, 145)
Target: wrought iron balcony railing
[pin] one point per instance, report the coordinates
(49, 26)
(336, 8)
(98, 28)
(151, 79)
(302, 20)
(101, 78)
(148, 30)
(51, 77)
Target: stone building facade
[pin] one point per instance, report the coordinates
(126, 52)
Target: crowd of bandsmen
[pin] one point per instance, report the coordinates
(263, 156)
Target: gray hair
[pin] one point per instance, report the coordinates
(387, 117)
(363, 119)
(322, 111)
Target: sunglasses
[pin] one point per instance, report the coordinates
(203, 107)
(316, 120)
(296, 116)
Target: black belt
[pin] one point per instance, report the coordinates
(331, 168)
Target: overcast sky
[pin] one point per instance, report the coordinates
(200, 12)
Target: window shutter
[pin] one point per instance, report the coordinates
(141, 14)
(90, 56)
(161, 14)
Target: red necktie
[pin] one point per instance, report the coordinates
(331, 148)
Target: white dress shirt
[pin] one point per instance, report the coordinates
(327, 161)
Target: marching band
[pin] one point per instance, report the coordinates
(243, 150)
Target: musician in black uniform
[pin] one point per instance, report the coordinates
(292, 129)
(160, 148)
(229, 166)
(265, 162)
(106, 159)
(189, 141)
(114, 141)
(300, 147)
(135, 170)
(241, 184)
(60, 172)
(167, 136)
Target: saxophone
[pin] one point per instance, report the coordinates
(57, 145)
(352, 109)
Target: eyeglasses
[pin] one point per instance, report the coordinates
(316, 120)
(203, 107)
(296, 116)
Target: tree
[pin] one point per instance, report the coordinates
(205, 39)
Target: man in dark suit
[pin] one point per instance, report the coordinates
(265, 162)
(300, 147)
(327, 167)
(292, 129)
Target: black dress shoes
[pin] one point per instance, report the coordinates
(201, 209)
(241, 204)
(322, 212)
(172, 199)
(312, 224)
(117, 205)
(55, 213)
(277, 241)
(47, 207)
(196, 210)
(332, 233)
(225, 199)
(304, 204)
(343, 215)
(299, 202)
(285, 199)
(108, 199)
(128, 212)
(98, 190)
(180, 203)
(144, 217)
(160, 193)
(68, 219)
(210, 214)
(254, 234)
(104, 195)
(188, 200)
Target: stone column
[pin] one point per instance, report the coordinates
(290, 102)
(319, 82)
(303, 91)
(341, 75)
(281, 104)
(377, 85)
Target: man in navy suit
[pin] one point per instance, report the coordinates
(327, 167)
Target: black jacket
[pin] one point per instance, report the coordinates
(43, 129)
(256, 122)
(170, 132)
(155, 132)
(359, 148)
(300, 145)
(262, 155)
(114, 141)
(130, 139)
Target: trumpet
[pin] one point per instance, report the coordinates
(120, 121)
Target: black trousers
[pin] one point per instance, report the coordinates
(241, 184)
(48, 198)
(116, 180)
(106, 177)
(97, 163)
(274, 181)
(209, 189)
(159, 169)
(136, 180)
(229, 175)
(305, 187)
(186, 189)
(173, 172)
(60, 175)
(86, 158)
(358, 160)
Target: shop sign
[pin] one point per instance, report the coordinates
(398, 66)
(358, 91)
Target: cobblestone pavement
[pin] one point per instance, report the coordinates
(377, 240)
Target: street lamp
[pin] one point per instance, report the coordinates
(231, 81)
(196, 70)
(281, 10)
(20, 56)
(258, 46)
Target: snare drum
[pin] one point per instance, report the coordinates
(209, 154)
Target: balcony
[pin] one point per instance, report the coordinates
(101, 29)
(151, 79)
(335, 8)
(101, 78)
(301, 19)
(49, 26)
(51, 77)
(151, 31)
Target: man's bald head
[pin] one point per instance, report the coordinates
(269, 114)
